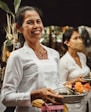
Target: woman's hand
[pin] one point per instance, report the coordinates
(47, 94)
(78, 79)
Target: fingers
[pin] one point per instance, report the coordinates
(50, 100)
(54, 94)
(50, 96)
(81, 80)
(52, 91)
(53, 100)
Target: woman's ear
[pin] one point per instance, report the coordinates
(66, 42)
(19, 30)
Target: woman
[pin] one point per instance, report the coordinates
(32, 71)
(73, 64)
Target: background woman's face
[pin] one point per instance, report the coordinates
(32, 26)
(75, 42)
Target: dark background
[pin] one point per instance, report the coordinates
(56, 12)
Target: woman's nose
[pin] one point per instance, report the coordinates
(35, 25)
(80, 40)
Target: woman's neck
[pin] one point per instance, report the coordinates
(39, 51)
(73, 53)
(34, 46)
(76, 57)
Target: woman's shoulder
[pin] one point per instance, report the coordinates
(65, 60)
(65, 57)
(17, 53)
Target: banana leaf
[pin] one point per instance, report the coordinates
(9, 23)
(5, 7)
(16, 5)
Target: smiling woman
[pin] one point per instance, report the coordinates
(31, 71)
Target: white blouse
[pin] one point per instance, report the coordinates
(25, 73)
(70, 70)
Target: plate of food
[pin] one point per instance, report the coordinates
(71, 96)
(71, 99)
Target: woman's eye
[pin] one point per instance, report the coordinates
(39, 21)
(76, 38)
(29, 22)
(80, 37)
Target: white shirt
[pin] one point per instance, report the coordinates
(70, 70)
(25, 73)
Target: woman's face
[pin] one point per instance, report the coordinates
(75, 42)
(32, 27)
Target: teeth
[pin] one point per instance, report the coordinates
(36, 32)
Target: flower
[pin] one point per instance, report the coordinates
(87, 87)
(79, 87)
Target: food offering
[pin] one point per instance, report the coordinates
(73, 93)
(38, 103)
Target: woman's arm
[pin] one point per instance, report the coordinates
(12, 79)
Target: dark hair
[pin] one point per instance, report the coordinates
(21, 12)
(67, 35)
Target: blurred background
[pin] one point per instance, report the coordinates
(58, 15)
(56, 12)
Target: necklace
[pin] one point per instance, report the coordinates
(41, 53)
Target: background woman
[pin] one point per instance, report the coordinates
(73, 64)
